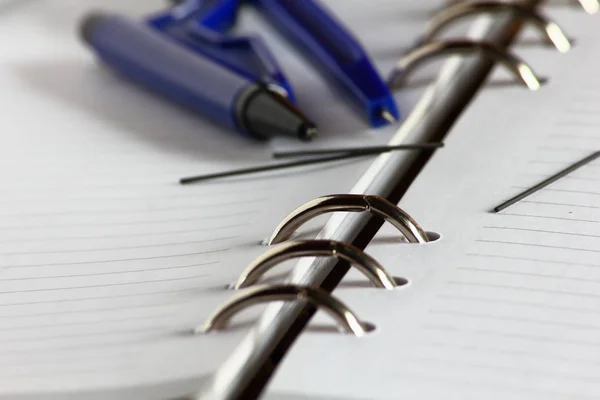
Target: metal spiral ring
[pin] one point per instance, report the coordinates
(350, 203)
(411, 60)
(458, 11)
(316, 248)
(345, 318)
(590, 6)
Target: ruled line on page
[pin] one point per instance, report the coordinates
(526, 320)
(124, 235)
(547, 189)
(105, 356)
(518, 353)
(508, 228)
(579, 111)
(107, 297)
(53, 289)
(502, 386)
(246, 212)
(69, 372)
(155, 245)
(45, 337)
(532, 259)
(127, 343)
(138, 210)
(585, 97)
(129, 318)
(87, 311)
(115, 260)
(516, 303)
(537, 245)
(562, 148)
(46, 356)
(572, 191)
(524, 288)
(575, 136)
(508, 370)
(529, 274)
(578, 106)
(126, 271)
(513, 214)
(143, 197)
(40, 186)
(578, 123)
(517, 336)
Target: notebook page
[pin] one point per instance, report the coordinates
(504, 305)
(105, 262)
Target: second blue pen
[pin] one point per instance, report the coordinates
(161, 64)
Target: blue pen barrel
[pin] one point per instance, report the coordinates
(160, 64)
(311, 26)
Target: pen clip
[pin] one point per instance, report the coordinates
(202, 26)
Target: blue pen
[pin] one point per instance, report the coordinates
(202, 27)
(334, 49)
(158, 62)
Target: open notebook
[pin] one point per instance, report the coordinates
(106, 264)
(503, 306)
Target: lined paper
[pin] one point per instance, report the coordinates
(505, 305)
(106, 263)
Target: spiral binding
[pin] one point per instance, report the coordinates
(417, 56)
(589, 6)
(426, 49)
(445, 17)
(357, 258)
(315, 248)
(349, 203)
(346, 319)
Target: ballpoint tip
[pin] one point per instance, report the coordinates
(88, 24)
(388, 116)
(307, 131)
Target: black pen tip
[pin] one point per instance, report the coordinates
(266, 114)
(307, 131)
(87, 25)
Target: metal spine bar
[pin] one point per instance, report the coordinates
(248, 369)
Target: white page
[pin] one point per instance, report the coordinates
(504, 305)
(105, 262)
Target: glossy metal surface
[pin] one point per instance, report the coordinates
(350, 203)
(345, 318)
(411, 60)
(590, 6)
(448, 15)
(315, 248)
